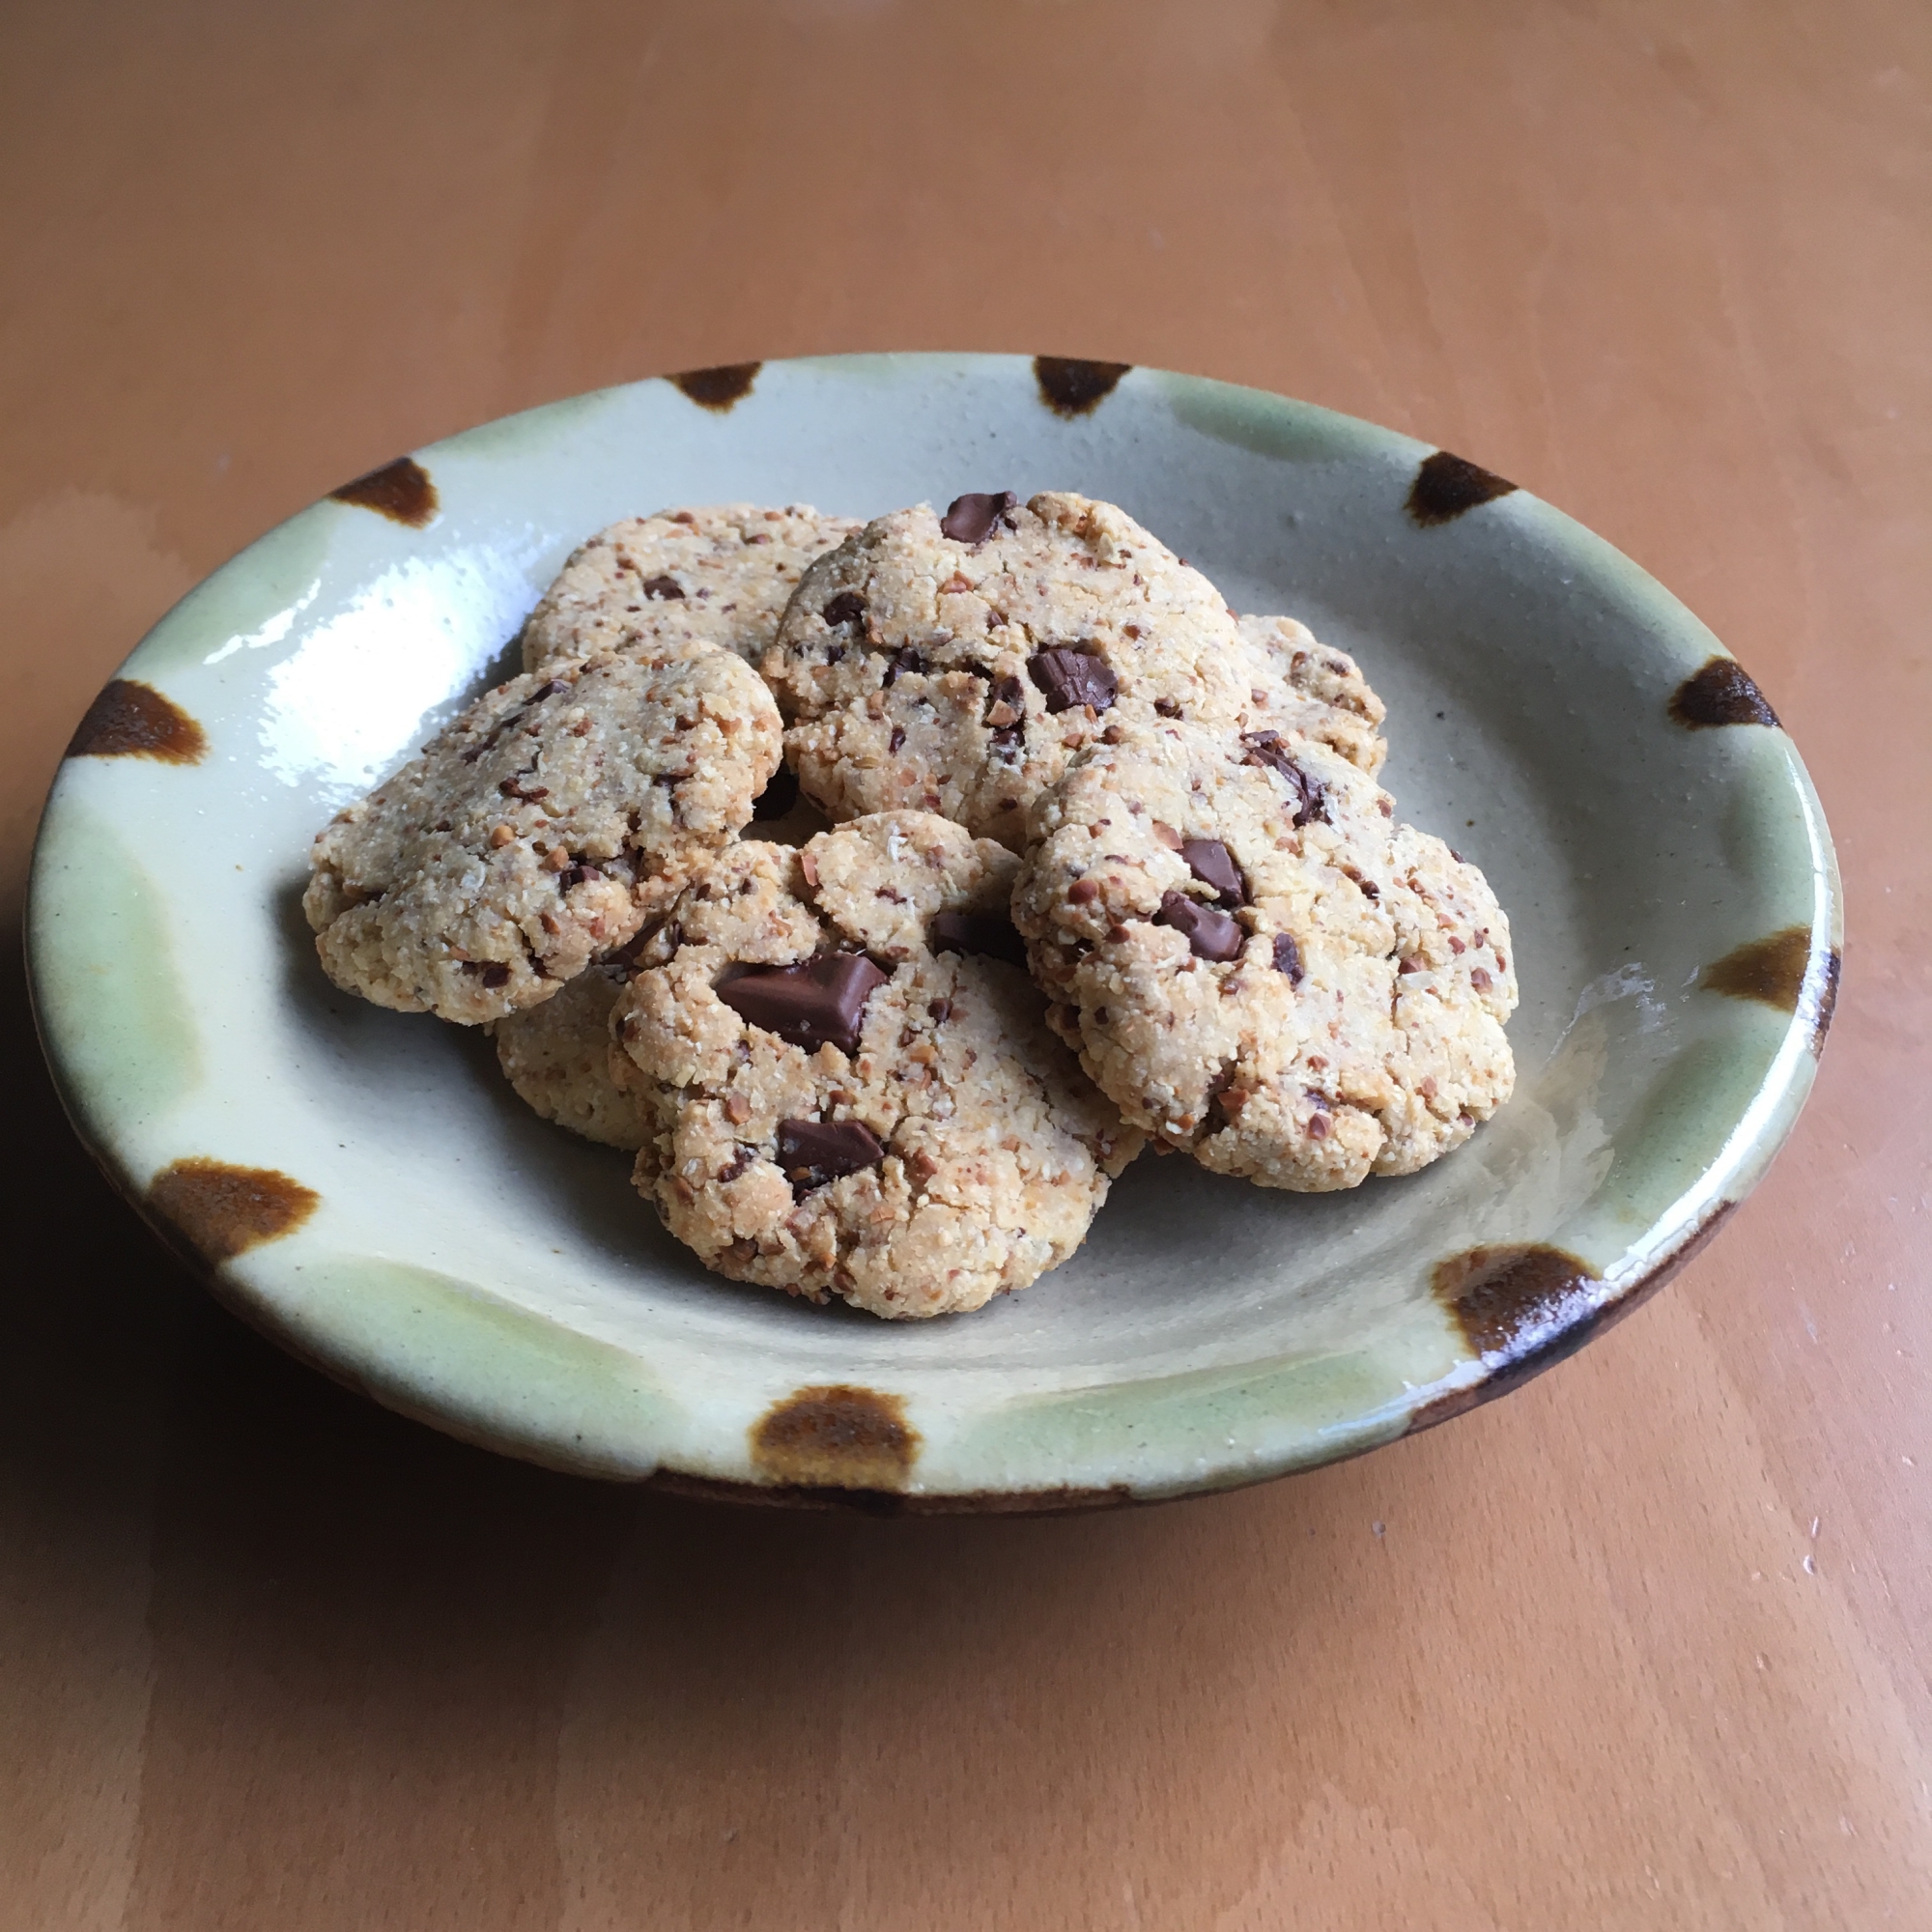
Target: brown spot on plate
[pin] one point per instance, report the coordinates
(719, 387)
(1525, 1306)
(129, 720)
(222, 1211)
(1781, 972)
(1072, 388)
(839, 1437)
(400, 490)
(1445, 486)
(1825, 1001)
(1721, 693)
(1499, 1296)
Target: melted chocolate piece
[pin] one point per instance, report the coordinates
(812, 1153)
(662, 586)
(1211, 934)
(847, 608)
(991, 935)
(779, 797)
(1213, 865)
(1265, 748)
(1287, 958)
(822, 999)
(973, 518)
(1072, 677)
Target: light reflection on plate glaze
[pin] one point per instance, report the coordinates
(347, 702)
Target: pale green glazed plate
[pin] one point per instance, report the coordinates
(363, 1185)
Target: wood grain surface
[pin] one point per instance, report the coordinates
(1644, 1645)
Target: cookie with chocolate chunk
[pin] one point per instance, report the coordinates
(558, 1057)
(852, 1088)
(680, 580)
(1313, 690)
(1260, 964)
(956, 662)
(538, 830)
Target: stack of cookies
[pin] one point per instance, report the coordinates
(1060, 856)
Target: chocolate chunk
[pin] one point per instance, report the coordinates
(812, 1153)
(779, 797)
(1213, 865)
(1211, 934)
(904, 659)
(663, 586)
(847, 608)
(1266, 748)
(989, 933)
(1072, 677)
(627, 955)
(1287, 958)
(822, 999)
(897, 742)
(972, 518)
(496, 974)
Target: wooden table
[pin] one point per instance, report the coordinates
(1644, 1645)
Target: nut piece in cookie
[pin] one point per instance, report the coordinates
(853, 1089)
(537, 831)
(558, 1058)
(956, 662)
(680, 582)
(1259, 964)
(1322, 694)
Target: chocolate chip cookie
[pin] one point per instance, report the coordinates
(560, 1058)
(1315, 690)
(538, 830)
(853, 1088)
(955, 663)
(680, 580)
(1260, 964)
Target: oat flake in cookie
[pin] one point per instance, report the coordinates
(1260, 964)
(854, 1092)
(537, 831)
(956, 662)
(680, 582)
(558, 1057)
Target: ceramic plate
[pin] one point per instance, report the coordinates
(364, 1186)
